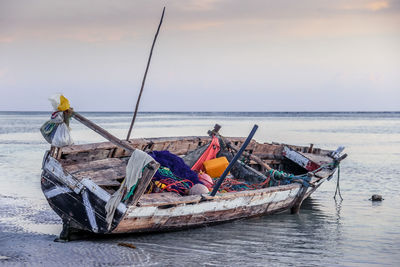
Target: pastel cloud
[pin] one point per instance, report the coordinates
(378, 5)
(95, 35)
(198, 26)
(196, 5)
(366, 5)
(6, 39)
(3, 72)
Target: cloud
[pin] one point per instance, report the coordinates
(378, 5)
(196, 5)
(96, 35)
(197, 26)
(6, 39)
(109, 21)
(3, 72)
(361, 5)
(83, 34)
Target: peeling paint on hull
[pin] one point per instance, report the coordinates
(153, 218)
(80, 202)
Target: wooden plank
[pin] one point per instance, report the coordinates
(169, 198)
(170, 143)
(55, 168)
(103, 176)
(143, 183)
(173, 143)
(108, 183)
(87, 147)
(300, 159)
(96, 165)
(138, 143)
(252, 162)
(83, 157)
(319, 159)
(164, 197)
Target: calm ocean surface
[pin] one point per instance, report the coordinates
(352, 232)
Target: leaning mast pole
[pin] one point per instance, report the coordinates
(144, 77)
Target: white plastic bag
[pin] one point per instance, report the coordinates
(55, 101)
(56, 130)
(62, 136)
(49, 128)
(59, 102)
(57, 117)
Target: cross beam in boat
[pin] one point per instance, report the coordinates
(113, 139)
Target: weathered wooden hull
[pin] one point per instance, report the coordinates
(82, 205)
(207, 210)
(76, 196)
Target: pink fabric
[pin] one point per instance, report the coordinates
(206, 180)
(210, 153)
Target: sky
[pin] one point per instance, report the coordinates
(211, 55)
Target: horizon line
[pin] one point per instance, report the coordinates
(94, 111)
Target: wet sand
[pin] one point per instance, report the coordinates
(27, 236)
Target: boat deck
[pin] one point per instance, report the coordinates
(104, 172)
(105, 163)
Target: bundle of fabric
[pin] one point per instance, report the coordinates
(173, 175)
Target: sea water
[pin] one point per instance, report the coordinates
(328, 232)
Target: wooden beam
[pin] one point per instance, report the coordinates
(123, 144)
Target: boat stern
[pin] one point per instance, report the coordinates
(79, 203)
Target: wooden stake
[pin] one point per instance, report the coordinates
(144, 77)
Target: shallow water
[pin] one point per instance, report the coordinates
(352, 232)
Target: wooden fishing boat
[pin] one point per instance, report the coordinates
(86, 184)
(79, 180)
